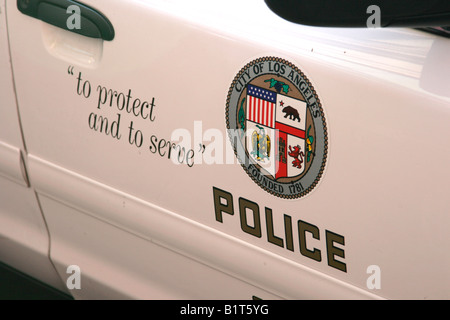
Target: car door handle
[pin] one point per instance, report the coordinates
(60, 13)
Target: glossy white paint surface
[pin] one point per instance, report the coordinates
(24, 239)
(131, 265)
(9, 130)
(10, 134)
(386, 101)
(11, 164)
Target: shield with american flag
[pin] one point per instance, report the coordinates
(275, 131)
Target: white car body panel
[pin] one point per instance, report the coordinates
(10, 134)
(140, 226)
(24, 238)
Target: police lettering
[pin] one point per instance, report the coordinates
(308, 235)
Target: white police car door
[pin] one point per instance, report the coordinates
(212, 150)
(24, 240)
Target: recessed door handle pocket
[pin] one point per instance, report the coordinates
(69, 15)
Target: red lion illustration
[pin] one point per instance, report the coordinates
(297, 155)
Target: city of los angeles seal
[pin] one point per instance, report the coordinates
(277, 126)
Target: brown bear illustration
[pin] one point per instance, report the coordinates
(292, 113)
